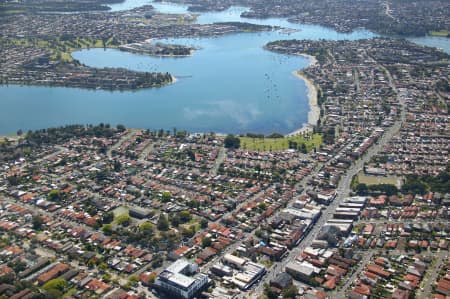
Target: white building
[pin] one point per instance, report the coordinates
(175, 280)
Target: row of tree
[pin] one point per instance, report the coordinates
(414, 184)
(64, 133)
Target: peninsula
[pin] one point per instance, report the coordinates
(37, 48)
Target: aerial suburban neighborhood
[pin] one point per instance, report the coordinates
(123, 213)
(356, 204)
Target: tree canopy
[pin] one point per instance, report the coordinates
(422, 184)
(163, 223)
(232, 142)
(123, 220)
(37, 222)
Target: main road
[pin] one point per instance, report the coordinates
(343, 191)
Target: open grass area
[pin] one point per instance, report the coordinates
(440, 33)
(62, 49)
(10, 137)
(7, 12)
(70, 293)
(193, 222)
(120, 211)
(376, 180)
(276, 144)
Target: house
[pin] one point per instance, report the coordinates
(52, 273)
(97, 286)
(378, 271)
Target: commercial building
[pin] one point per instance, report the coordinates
(175, 280)
(248, 272)
(301, 271)
(140, 213)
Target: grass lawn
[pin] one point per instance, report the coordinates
(195, 222)
(376, 180)
(65, 48)
(120, 211)
(267, 263)
(62, 49)
(70, 293)
(440, 33)
(13, 137)
(276, 144)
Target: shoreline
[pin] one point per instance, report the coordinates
(314, 109)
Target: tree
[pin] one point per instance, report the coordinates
(329, 135)
(269, 292)
(166, 196)
(362, 189)
(117, 165)
(13, 180)
(103, 267)
(123, 220)
(188, 232)
(175, 220)
(107, 229)
(232, 142)
(206, 242)
(262, 206)
(146, 228)
(185, 216)
(17, 265)
(387, 189)
(133, 279)
(37, 222)
(53, 195)
(203, 223)
(9, 278)
(194, 204)
(414, 185)
(106, 277)
(53, 294)
(57, 284)
(163, 223)
(303, 148)
(290, 292)
(120, 128)
(157, 261)
(275, 135)
(108, 217)
(152, 277)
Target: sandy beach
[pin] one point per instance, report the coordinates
(314, 109)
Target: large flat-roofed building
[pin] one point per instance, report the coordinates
(303, 272)
(140, 213)
(250, 274)
(176, 281)
(234, 261)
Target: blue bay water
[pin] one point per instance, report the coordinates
(231, 84)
